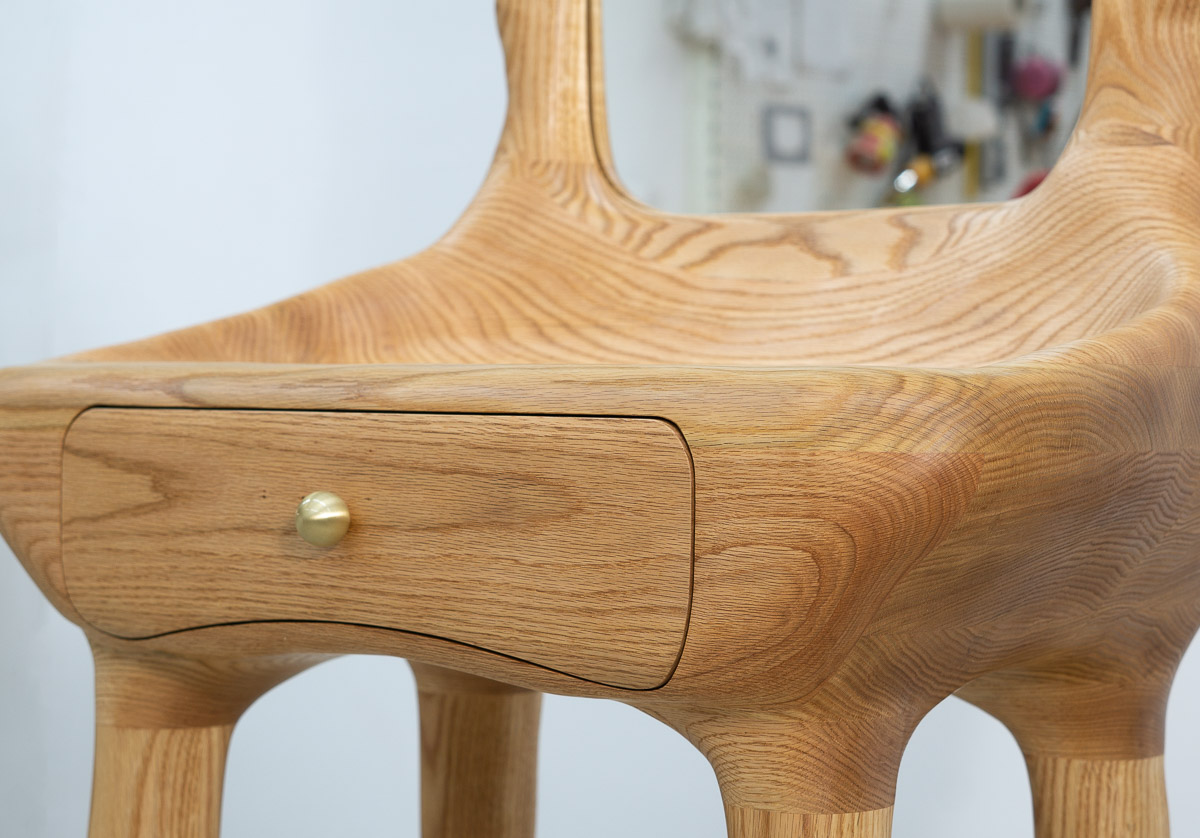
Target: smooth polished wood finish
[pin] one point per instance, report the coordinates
(1076, 798)
(163, 724)
(756, 823)
(156, 783)
(1092, 726)
(30, 490)
(478, 755)
(935, 450)
(494, 531)
(554, 263)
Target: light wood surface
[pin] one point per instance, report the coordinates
(531, 536)
(153, 783)
(163, 724)
(756, 823)
(30, 491)
(935, 450)
(478, 755)
(1075, 798)
(1092, 727)
(588, 275)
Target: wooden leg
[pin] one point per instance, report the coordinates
(1091, 728)
(151, 783)
(756, 823)
(1074, 798)
(799, 772)
(163, 725)
(478, 756)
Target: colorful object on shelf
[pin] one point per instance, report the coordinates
(1045, 119)
(918, 173)
(877, 137)
(1035, 79)
(923, 169)
(926, 122)
(1031, 182)
(932, 152)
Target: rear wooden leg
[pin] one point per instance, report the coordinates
(756, 823)
(1091, 729)
(163, 725)
(478, 755)
(1074, 798)
(795, 773)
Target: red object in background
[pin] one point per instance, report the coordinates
(1036, 78)
(1031, 182)
(874, 146)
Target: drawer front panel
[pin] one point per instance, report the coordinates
(562, 541)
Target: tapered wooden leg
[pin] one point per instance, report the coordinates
(478, 756)
(1091, 728)
(152, 783)
(756, 823)
(800, 771)
(1099, 798)
(163, 725)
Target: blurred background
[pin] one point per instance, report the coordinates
(163, 164)
(797, 105)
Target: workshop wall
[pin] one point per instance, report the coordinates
(798, 105)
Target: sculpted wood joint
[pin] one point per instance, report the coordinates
(782, 482)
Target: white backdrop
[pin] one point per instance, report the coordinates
(166, 163)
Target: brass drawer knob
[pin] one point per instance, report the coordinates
(322, 519)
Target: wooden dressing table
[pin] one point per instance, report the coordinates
(782, 482)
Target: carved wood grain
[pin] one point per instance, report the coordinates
(565, 541)
(748, 823)
(1099, 799)
(589, 275)
(163, 724)
(478, 755)
(935, 450)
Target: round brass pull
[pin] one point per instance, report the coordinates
(322, 519)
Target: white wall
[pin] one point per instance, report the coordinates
(165, 163)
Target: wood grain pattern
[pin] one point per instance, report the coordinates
(937, 286)
(749, 823)
(936, 450)
(494, 531)
(478, 755)
(1091, 723)
(30, 491)
(1099, 799)
(163, 724)
(158, 783)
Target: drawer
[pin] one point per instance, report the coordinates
(562, 541)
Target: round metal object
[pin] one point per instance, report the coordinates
(322, 519)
